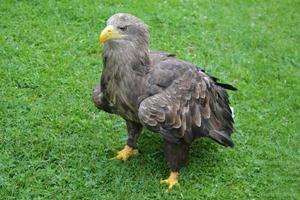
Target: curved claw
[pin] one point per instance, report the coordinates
(125, 153)
(171, 181)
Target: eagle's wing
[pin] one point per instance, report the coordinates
(186, 103)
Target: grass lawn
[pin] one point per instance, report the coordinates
(54, 144)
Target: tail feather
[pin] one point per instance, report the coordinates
(223, 85)
(226, 86)
(221, 137)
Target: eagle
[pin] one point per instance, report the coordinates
(159, 92)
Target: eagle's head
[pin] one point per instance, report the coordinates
(125, 29)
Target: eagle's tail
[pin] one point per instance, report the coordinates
(226, 86)
(221, 137)
(220, 123)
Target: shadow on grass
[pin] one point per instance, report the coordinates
(151, 164)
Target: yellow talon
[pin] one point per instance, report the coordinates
(125, 153)
(171, 181)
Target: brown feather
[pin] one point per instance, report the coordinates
(197, 116)
(206, 108)
(158, 90)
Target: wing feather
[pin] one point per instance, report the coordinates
(192, 105)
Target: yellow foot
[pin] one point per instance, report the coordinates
(125, 153)
(171, 181)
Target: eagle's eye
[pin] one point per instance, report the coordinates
(123, 28)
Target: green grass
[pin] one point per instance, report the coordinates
(54, 144)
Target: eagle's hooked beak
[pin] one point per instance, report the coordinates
(109, 33)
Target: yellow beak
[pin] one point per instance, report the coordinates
(109, 33)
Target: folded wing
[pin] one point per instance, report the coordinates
(192, 105)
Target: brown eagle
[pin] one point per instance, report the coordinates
(156, 90)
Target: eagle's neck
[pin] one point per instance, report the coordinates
(123, 77)
(126, 56)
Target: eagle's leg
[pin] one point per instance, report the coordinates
(177, 156)
(134, 130)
